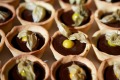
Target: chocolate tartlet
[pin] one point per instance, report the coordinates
(102, 4)
(27, 39)
(66, 16)
(66, 4)
(103, 16)
(63, 68)
(104, 45)
(27, 15)
(33, 13)
(109, 69)
(75, 50)
(21, 45)
(6, 12)
(36, 69)
(66, 64)
(109, 72)
(7, 15)
(60, 51)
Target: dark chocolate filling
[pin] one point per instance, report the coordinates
(103, 46)
(75, 50)
(27, 15)
(67, 1)
(7, 11)
(21, 45)
(113, 1)
(66, 18)
(62, 73)
(38, 70)
(115, 24)
(109, 74)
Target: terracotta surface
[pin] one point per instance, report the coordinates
(48, 56)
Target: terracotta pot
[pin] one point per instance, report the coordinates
(58, 56)
(83, 28)
(106, 63)
(102, 4)
(46, 24)
(101, 55)
(33, 28)
(7, 25)
(100, 12)
(65, 5)
(71, 58)
(13, 61)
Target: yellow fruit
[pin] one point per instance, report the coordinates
(24, 38)
(23, 73)
(75, 16)
(68, 43)
(111, 44)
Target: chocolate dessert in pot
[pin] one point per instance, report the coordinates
(63, 71)
(37, 69)
(21, 43)
(27, 15)
(75, 50)
(67, 18)
(111, 19)
(35, 13)
(103, 46)
(5, 14)
(109, 74)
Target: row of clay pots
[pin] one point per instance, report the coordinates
(99, 3)
(47, 24)
(15, 3)
(95, 75)
(52, 72)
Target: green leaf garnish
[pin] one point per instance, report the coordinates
(29, 37)
(116, 69)
(38, 13)
(78, 36)
(3, 15)
(80, 14)
(114, 17)
(113, 38)
(25, 69)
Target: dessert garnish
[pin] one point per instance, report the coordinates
(3, 15)
(80, 14)
(38, 12)
(69, 42)
(113, 38)
(76, 72)
(29, 37)
(78, 2)
(116, 69)
(25, 69)
(112, 18)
